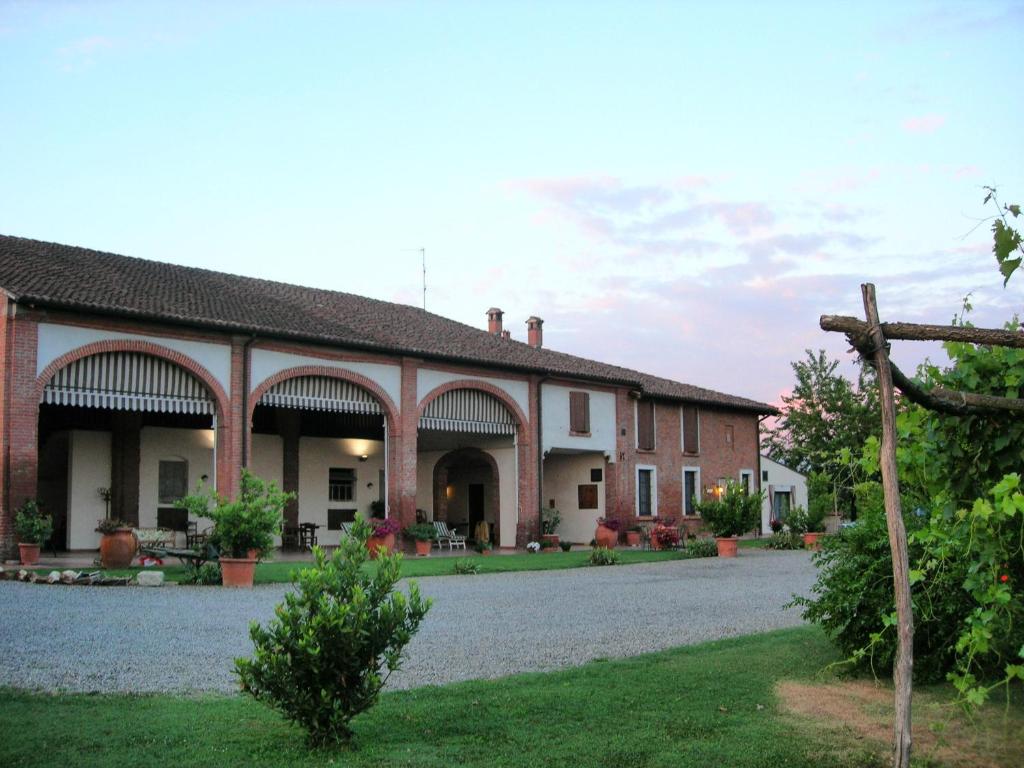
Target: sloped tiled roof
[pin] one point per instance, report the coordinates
(54, 275)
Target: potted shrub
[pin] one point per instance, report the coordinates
(32, 528)
(607, 533)
(664, 535)
(809, 523)
(634, 535)
(118, 544)
(423, 534)
(548, 546)
(549, 520)
(484, 547)
(732, 514)
(243, 528)
(382, 536)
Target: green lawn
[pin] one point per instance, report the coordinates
(277, 573)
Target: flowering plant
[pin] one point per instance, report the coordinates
(533, 546)
(610, 524)
(666, 535)
(385, 527)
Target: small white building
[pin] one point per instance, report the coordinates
(784, 488)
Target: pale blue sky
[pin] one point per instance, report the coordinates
(677, 187)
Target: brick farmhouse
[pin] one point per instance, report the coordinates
(127, 383)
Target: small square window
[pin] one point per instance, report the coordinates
(596, 475)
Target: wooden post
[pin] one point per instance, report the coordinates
(903, 670)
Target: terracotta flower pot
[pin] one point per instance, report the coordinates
(29, 553)
(606, 537)
(552, 537)
(812, 541)
(117, 549)
(374, 543)
(423, 548)
(633, 538)
(485, 552)
(237, 571)
(726, 546)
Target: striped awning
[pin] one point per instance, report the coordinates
(128, 381)
(468, 410)
(321, 393)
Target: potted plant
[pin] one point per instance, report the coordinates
(549, 520)
(664, 535)
(607, 533)
(634, 535)
(32, 528)
(382, 536)
(548, 546)
(730, 515)
(809, 523)
(484, 546)
(424, 535)
(243, 528)
(118, 544)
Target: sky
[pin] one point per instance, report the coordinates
(681, 188)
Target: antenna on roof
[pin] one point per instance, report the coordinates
(423, 257)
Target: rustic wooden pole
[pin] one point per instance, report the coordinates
(921, 332)
(902, 672)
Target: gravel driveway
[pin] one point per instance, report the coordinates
(184, 638)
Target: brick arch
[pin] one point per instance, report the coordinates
(146, 347)
(390, 410)
(492, 490)
(484, 386)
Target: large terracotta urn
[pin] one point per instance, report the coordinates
(606, 537)
(117, 548)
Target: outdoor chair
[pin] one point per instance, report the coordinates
(444, 534)
(193, 538)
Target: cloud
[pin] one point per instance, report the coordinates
(924, 124)
(82, 53)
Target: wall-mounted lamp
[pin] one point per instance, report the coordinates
(204, 478)
(369, 485)
(364, 457)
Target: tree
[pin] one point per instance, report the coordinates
(825, 423)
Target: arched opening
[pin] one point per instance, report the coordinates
(466, 493)
(107, 423)
(323, 436)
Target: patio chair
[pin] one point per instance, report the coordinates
(444, 534)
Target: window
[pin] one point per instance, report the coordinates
(645, 425)
(781, 504)
(587, 496)
(173, 481)
(646, 491)
(730, 436)
(579, 413)
(595, 476)
(335, 517)
(691, 429)
(691, 490)
(764, 475)
(747, 480)
(341, 484)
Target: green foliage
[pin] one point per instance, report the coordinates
(824, 424)
(565, 545)
(334, 641)
(604, 556)
(111, 525)
(821, 495)
(732, 514)
(464, 567)
(802, 520)
(701, 548)
(248, 522)
(421, 532)
(31, 526)
(206, 575)
(1006, 241)
(549, 520)
(784, 540)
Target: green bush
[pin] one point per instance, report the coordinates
(732, 514)
(206, 575)
(701, 548)
(31, 526)
(334, 641)
(549, 520)
(421, 532)
(248, 522)
(802, 520)
(604, 556)
(784, 540)
(465, 567)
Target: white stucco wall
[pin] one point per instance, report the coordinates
(88, 470)
(555, 420)
(56, 340)
(429, 379)
(158, 444)
(563, 474)
(266, 363)
(780, 475)
(317, 455)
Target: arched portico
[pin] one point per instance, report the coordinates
(458, 475)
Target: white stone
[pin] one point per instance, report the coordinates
(23, 575)
(53, 577)
(68, 577)
(150, 578)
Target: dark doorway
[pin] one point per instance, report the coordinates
(476, 505)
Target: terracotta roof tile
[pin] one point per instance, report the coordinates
(55, 275)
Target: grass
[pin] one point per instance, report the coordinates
(712, 704)
(281, 572)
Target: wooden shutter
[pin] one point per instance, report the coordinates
(579, 412)
(645, 425)
(691, 429)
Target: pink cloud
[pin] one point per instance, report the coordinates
(924, 124)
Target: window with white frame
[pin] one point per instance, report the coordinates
(691, 490)
(747, 480)
(341, 484)
(646, 491)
